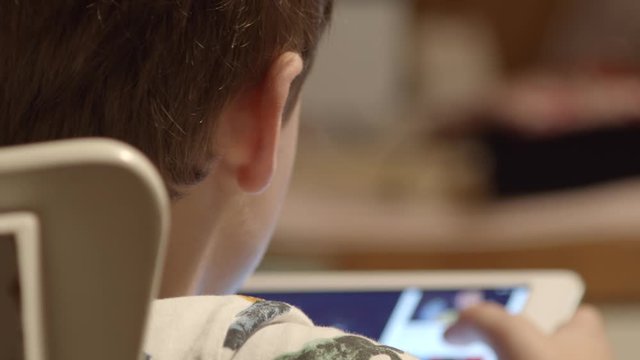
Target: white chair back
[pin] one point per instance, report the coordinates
(82, 227)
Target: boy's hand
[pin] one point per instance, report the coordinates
(515, 338)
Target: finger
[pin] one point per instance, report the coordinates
(511, 336)
(586, 325)
(494, 322)
(585, 331)
(587, 320)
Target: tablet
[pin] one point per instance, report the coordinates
(411, 310)
(82, 231)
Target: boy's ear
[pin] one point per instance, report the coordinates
(251, 124)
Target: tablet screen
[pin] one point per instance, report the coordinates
(10, 317)
(413, 320)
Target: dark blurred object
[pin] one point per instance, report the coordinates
(531, 165)
(549, 132)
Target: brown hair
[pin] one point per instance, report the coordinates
(153, 73)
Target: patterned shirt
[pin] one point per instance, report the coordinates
(236, 327)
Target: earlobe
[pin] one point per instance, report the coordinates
(254, 174)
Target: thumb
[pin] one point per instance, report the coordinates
(585, 331)
(512, 337)
(587, 321)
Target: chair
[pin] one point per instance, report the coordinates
(83, 225)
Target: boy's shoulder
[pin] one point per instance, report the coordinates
(225, 327)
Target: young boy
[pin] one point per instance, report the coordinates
(209, 91)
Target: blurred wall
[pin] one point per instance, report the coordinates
(358, 71)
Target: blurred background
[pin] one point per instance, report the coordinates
(469, 134)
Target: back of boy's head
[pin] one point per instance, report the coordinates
(153, 73)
